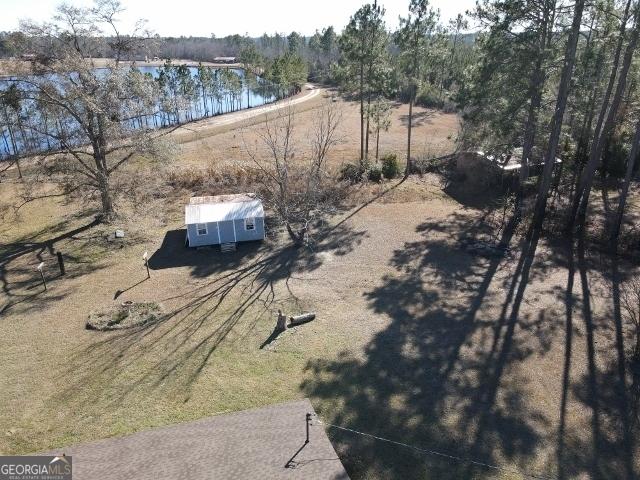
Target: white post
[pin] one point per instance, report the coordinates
(41, 270)
(146, 263)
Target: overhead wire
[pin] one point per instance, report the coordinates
(438, 453)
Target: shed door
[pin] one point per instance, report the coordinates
(227, 234)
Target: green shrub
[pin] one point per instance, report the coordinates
(374, 174)
(390, 167)
(430, 97)
(351, 172)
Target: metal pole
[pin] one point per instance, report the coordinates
(43, 280)
(308, 421)
(61, 263)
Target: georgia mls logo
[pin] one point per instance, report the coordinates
(59, 465)
(35, 468)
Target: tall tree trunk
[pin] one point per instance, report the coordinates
(377, 143)
(25, 141)
(13, 141)
(102, 177)
(407, 168)
(18, 167)
(366, 148)
(606, 120)
(585, 130)
(362, 113)
(6, 142)
(536, 84)
(204, 102)
(12, 137)
(622, 202)
(105, 197)
(530, 129)
(556, 123)
(99, 145)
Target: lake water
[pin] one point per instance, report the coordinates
(18, 135)
(258, 94)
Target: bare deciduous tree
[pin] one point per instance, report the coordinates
(92, 112)
(299, 191)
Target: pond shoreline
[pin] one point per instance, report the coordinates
(185, 94)
(197, 127)
(10, 67)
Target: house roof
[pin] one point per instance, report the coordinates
(260, 443)
(216, 209)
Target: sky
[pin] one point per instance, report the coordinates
(226, 17)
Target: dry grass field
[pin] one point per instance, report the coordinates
(207, 143)
(416, 339)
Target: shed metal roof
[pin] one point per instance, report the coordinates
(512, 161)
(219, 212)
(234, 197)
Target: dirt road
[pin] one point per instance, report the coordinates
(309, 92)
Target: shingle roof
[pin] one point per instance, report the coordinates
(263, 443)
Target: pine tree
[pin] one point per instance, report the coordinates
(363, 45)
(413, 38)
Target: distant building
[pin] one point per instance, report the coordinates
(503, 162)
(225, 60)
(224, 220)
(483, 169)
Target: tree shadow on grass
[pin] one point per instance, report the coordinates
(470, 196)
(606, 389)
(205, 261)
(443, 375)
(171, 354)
(20, 281)
(419, 118)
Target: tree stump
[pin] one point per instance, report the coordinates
(281, 324)
(300, 319)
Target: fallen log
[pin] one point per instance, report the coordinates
(300, 319)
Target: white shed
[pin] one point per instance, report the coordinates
(224, 219)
